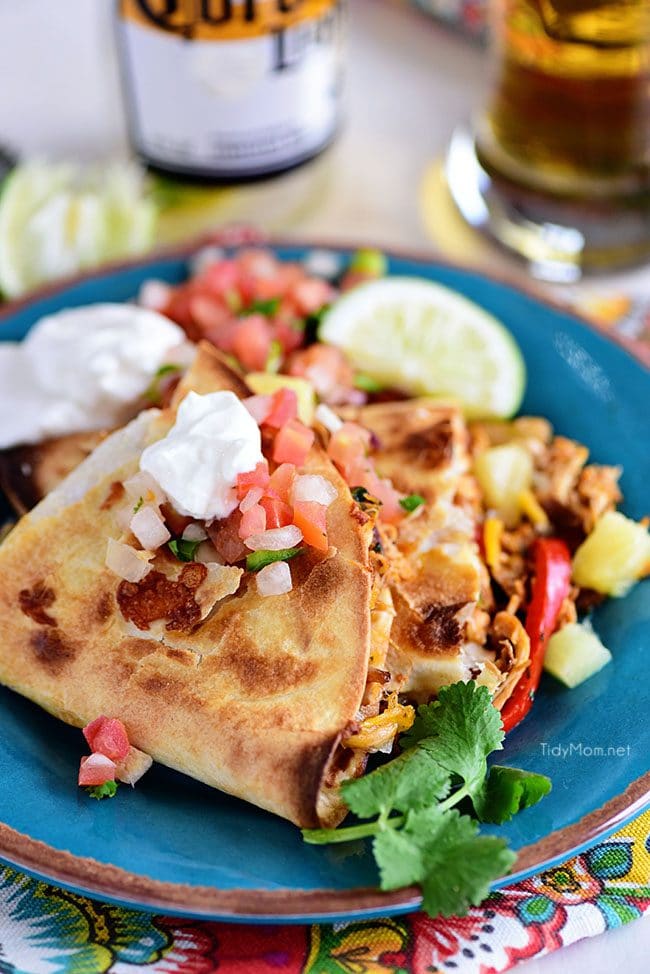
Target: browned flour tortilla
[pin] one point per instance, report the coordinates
(254, 699)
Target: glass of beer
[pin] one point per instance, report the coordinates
(557, 166)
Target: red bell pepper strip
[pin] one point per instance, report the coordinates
(550, 588)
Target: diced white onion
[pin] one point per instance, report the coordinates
(275, 539)
(194, 532)
(154, 295)
(142, 484)
(250, 500)
(134, 765)
(274, 579)
(149, 528)
(259, 407)
(98, 762)
(207, 554)
(126, 562)
(328, 418)
(204, 258)
(314, 488)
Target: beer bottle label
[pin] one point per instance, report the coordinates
(231, 87)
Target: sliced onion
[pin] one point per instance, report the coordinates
(253, 497)
(142, 485)
(275, 539)
(134, 765)
(194, 532)
(328, 418)
(313, 487)
(126, 562)
(259, 407)
(154, 295)
(207, 554)
(149, 528)
(274, 579)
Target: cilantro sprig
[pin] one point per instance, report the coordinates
(411, 502)
(419, 834)
(107, 790)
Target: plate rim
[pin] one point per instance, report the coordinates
(90, 877)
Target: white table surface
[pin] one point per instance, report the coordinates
(410, 83)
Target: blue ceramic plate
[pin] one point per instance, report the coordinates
(173, 844)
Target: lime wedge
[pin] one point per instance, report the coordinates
(425, 339)
(56, 219)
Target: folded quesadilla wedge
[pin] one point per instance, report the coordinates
(28, 473)
(252, 695)
(445, 627)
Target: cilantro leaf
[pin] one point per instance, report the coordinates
(183, 549)
(107, 790)
(138, 505)
(411, 781)
(267, 307)
(442, 852)
(411, 502)
(462, 727)
(510, 790)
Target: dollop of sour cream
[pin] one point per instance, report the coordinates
(82, 369)
(213, 440)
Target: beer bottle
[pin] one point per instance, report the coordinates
(231, 89)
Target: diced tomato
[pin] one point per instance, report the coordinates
(278, 513)
(224, 535)
(178, 308)
(288, 330)
(311, 518)
(253, 521)
(324, 366)
(281, 481)
(292, 443)
(96, 769)
(259, 477)
(107, 736)
(311, 294)
(222, 277)
(347, 447)
(284, 406)
(257, 262)
(251, 342)
(211, 316)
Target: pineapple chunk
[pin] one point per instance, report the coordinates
(266, 383)
(614, 556)
(503, 473)
(575, 653)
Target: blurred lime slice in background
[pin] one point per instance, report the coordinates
(421, 337)
(58, 218)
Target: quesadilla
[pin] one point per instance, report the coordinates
(251, 695)
(445, 628)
